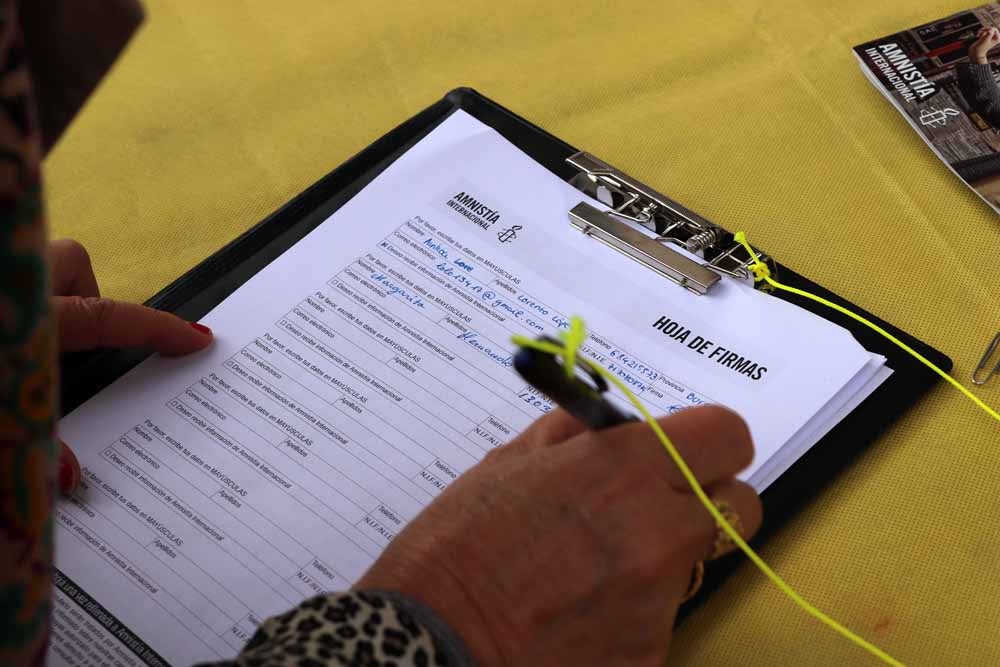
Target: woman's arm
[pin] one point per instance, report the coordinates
(27, 370)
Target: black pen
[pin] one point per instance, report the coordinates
(586, 402)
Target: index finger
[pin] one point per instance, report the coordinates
(551, 429)
(89, 323)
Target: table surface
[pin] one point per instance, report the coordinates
(753, 113)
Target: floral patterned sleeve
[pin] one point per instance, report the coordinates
(351, 628)
(59, 73)
(27, 373)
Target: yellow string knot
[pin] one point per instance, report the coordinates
(759, 269)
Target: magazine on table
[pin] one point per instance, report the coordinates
(943, 78)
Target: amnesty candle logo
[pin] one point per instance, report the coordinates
(934, 117)
(474, 209)
(509, 234)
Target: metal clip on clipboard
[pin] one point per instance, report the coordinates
(672, 222)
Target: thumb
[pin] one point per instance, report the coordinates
(86, 323)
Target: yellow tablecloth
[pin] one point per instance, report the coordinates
(753, 113)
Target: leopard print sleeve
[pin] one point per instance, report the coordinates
(359, 628)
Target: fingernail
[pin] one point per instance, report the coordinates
(67, 478)
(201, 328)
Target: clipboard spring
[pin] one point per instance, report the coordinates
(673, 223)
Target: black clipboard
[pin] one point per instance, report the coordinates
(199, 290)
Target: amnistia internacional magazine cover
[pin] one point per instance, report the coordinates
(942, 76)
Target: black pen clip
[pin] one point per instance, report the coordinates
(585, 401)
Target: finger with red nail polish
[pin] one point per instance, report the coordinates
(69, 470)
(87, 323)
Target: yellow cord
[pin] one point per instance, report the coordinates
(761, 272)
(571, 341)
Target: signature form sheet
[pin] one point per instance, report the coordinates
(359, 374)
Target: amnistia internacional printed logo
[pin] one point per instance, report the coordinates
(472, 207)
(900, 73)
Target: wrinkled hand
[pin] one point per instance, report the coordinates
(986, 39)
(573, 547)
(85, 321)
